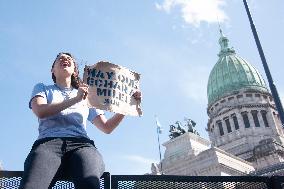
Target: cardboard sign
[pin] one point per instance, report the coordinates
(111, 88)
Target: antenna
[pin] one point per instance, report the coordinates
(219, 25)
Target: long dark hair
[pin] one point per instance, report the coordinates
(75, 79)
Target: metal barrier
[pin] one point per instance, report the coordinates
(11, 180)
(195, 182)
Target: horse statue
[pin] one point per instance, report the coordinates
(180, 127)
(190, 126)
(174, 132)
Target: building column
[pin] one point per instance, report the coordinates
(251, 121)
(240, 121)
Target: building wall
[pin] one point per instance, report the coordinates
(206, 161)
(240, 140)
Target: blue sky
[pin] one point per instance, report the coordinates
(173, 44)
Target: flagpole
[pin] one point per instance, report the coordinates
(160, 150)
(159, 144)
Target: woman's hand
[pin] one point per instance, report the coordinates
(137, 95)
(82, 92)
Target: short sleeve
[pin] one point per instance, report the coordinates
(93, 112)
(38, 90)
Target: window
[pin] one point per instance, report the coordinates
(264, 117)
(231, 98)
(255, 118)
(264, 96)
(239, 96)
(236, 123)
(220, 128)
(227, 121)
(246, 120)
(248, 95)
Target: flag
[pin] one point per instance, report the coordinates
(159, 126)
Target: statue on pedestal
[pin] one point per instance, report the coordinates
(178, 130)
(180, 127)
(174, 132)
(155, 169)
(190, 126)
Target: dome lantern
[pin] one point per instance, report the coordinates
(232, 73)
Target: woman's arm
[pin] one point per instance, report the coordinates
(107, 125)
(42, 110)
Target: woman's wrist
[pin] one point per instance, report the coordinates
(78, 98)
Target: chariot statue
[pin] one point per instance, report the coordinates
(190, 126)
(174, 132)
(180, 129)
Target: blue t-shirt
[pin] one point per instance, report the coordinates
(70, 122)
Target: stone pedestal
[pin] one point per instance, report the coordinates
(190, 154)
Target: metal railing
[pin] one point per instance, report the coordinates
(195, 182)
(11, 180)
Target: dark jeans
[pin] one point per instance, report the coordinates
(73, 159)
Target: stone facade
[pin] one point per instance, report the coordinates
(190, 154)
(237, 123)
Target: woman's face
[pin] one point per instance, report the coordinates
(63, 66)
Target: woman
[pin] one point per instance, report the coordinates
(63, 145)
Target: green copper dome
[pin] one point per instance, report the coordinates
(232, 73)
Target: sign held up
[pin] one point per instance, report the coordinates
(111, 88)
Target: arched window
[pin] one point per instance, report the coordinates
(227, 121)
(246, 120)
(236, 123)
(255, 118)
(264, 117)
(219, 123)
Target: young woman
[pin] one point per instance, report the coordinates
(63, 146)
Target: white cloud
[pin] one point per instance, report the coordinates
(139, 159)
(194, 41)
(196, 11)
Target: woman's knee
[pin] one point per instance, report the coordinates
(89, 161)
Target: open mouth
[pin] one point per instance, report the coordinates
(65, 64)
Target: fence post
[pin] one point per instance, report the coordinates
(275, 182)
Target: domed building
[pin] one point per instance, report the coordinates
(244, 128)
(242, 113)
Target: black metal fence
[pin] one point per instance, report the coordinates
(11, 180)
(195, 182)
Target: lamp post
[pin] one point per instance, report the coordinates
(272, 86)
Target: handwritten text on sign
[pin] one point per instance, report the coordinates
(111, 88)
